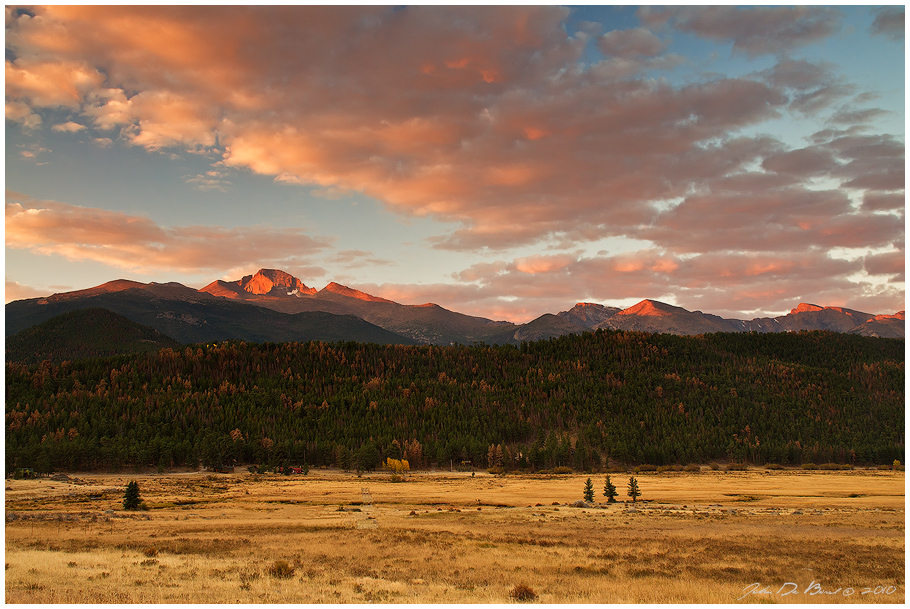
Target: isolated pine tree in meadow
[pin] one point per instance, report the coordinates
(634, 493)
(131, 499)
(589, 491)
(610, 491)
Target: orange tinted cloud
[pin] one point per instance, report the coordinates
(51, 83)
(17, 291)
(489, 117)
(371, 117)
(138, 244)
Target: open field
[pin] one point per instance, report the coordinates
(785, 536)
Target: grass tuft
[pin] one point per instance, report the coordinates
(281, 569)
(523, 593)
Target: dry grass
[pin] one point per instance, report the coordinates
(447, 538)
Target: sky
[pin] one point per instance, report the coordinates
(499, 161)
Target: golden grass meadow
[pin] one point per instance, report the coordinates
(780, 536)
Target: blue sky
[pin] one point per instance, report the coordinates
(500, 161)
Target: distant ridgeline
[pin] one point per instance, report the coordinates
(577, 401)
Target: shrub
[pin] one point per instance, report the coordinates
(809, 466)
(714, 466)
(884, 467)
(774, 466)
(523, 593)
(693, 467)
(736, 467)
(280, 569)
(645, 468)
(150, 551)
(562, 469)
(829, 466)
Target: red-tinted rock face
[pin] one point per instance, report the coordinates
(267, 280)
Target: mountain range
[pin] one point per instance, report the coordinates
(273, 305)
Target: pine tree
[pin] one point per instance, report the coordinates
(610, 491)
(131, 499)
(589, 491)
(634, 493)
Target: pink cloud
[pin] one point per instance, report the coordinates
(890, 263)
(534, 265)
(17, 291)
(481, 116)
(728, 283)
(49, 84)
(138, 244)
(446, 147)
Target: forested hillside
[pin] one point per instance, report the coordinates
(83, 334)
(577, 400)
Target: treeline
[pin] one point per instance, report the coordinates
(584, 401)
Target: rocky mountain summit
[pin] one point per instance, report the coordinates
(268, 304)
(265, 282)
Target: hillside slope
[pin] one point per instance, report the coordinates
(583, 401)
(83, 334)
(207, 319)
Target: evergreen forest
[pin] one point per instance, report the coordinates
(585, 401)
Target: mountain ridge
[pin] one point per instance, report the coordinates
(430, 323)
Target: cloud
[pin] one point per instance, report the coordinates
(889, 22)
(452, 119)
(138, 244)
(754, 31)
(358, 258)
(50, 83)
(214, 179)
(812, 87)
(876, 201)
(18, 291)
(68, 127)
(721, 283)
(331, 193)
(21, 113)
(889, 263)
(486, 117)
(630, 43)
(534, 265)
(784, 220)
